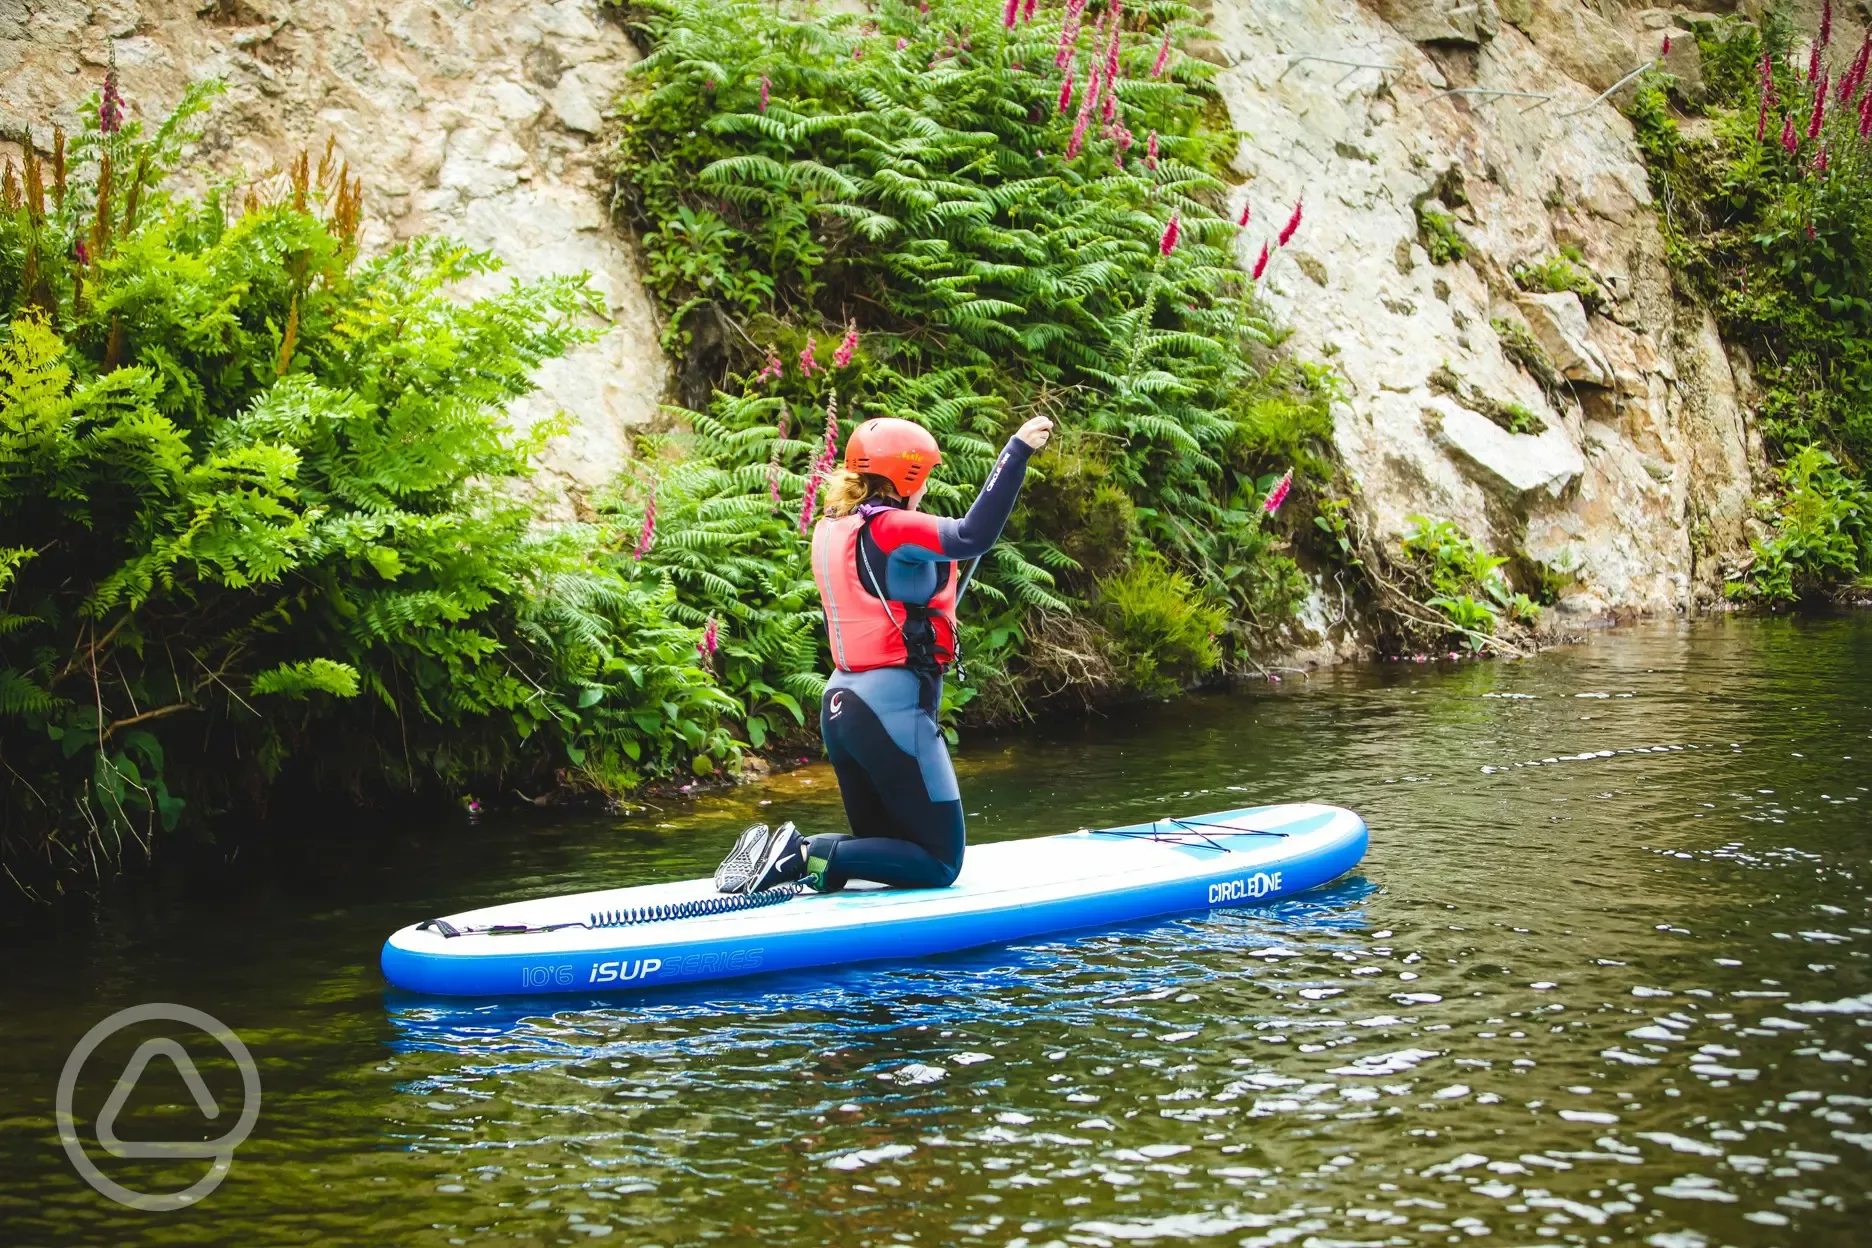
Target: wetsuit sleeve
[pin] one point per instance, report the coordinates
(921, 537)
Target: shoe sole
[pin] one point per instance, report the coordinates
(777, 849)
(743, 863)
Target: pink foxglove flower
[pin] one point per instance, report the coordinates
(770, 371)
(807, 362)
(1790, 138)
(1820, 159)
(1278, 494)
(902, 43)
(711, 639)
(1010, 13)
(1027, 11)
(1172, 229)
(828, 455)
(1150, 151)
(843, 356)
(110, 109)
(1767, 96)
(1865, 116)
(1066, 88)
(809, 502)
(1111, 103)
(1813, 63)
(1826, 23)
(1069, 34)
(1246, 211)
(1856, 75)
(1084, 118)
(1293, 224)
(1111, 42)
(1261, 263)
(764, 88)
(1819, 108)
(82, 254)
(646, 536)
(1665, 50)
(1163, 57)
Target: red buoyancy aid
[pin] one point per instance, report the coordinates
(867, 631)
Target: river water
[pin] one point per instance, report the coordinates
(1602, 979)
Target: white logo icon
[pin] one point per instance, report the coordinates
(221, 1150)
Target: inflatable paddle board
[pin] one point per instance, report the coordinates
(682, 932)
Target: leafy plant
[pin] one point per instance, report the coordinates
(263, 528)
(1561, 273)
(1437, 231)
(1462, 580)
(1162, 632)
(1334, 520)
(1822, 537)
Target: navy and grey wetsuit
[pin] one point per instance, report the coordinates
(880, 725)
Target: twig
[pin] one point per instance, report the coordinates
(158, 713)
(72, 664)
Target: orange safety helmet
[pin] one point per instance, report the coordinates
(900, 451)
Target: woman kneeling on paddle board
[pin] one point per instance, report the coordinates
(887, 578)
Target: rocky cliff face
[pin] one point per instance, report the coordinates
(478, 120)
(1631, 469)
(1639, 475)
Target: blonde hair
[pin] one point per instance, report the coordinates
(845, 490)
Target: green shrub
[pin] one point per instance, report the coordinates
(1520, 418)
(1822, 537)
(1437, 231)
(1461, 580)
(1561, 273)
(921, 196)
(1162, 633)
(262, 524)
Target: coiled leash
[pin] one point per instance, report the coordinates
(630, 916)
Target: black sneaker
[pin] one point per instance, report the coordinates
(785, 861)
(737, 870)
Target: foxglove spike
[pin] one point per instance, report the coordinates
(1278, 494)
(1293, 224)
(646, 536)
(1163, 57)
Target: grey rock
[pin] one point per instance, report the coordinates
(1471, 22)
(1511, 466)
(1558, 321)
(1579, 42)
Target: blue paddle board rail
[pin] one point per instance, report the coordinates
(1009, 891)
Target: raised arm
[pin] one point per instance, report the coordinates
(925, 538)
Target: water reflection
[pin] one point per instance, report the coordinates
(1602, 979)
